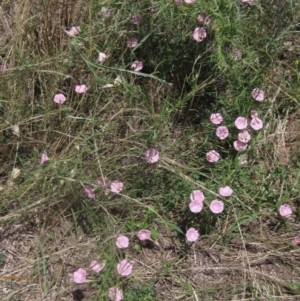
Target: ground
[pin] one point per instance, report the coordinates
(49, 227)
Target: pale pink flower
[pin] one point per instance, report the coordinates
(241, 123)
(73, 31)
(132, 42)
(240, 146)
(222, 132)
(244, 136)
(250, 2)
(254, 113)
(216, 118)
(144, 234)
(116, 187)
(80, 89)
(296, 241)
(136, 19)
(59, 98)
(196, 206)
(285, 210)
(258, 94)
(102, 182)
(192, 234)
(256, 123)
(177, 2)
(189, 1)
(102, 57)
(197, 195)
(44, 158)
(88, 190)
(122, 242)
(137, 66)
(115, 294)
(97, 266)
(216, 206)
(124, 268)
(225, 191)
(79, 276)
(203, 18)
(152, 155)
(199, 34)
(212, 156)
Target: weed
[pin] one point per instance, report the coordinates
(128, 129)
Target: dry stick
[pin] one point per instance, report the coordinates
(195, 295)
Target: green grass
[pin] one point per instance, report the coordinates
(106, 131)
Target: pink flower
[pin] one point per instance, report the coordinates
(225, 191)
(241, 123)
(203, 18)
(258, 94)
(102, 57)
(131, 43)
(199, 34)
(177, 2)
(136, 19)
(189, 1)
(244, 136)
(124, 268)
(192, 234)
(79, 276)
(97, 266)
(216, 118)
(144, 234)
(296, 241)
(122, 242)
(80, 89)
(115, 294)
(59, 98)
(285, 210)
(256, 123)
(216, 206)
(254, 113)
(116, 187)
(88, 190)
(152, 155)
(44, 158)
(212, 156)
(240, 146)
(197, 195)
(73, 31)
(222, 132)
(102, 182)
(196, 206)
(250, 2)
(137, 66)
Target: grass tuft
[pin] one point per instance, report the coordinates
(49, 226)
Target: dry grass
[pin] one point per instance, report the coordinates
(40, 238)
(40, 263)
